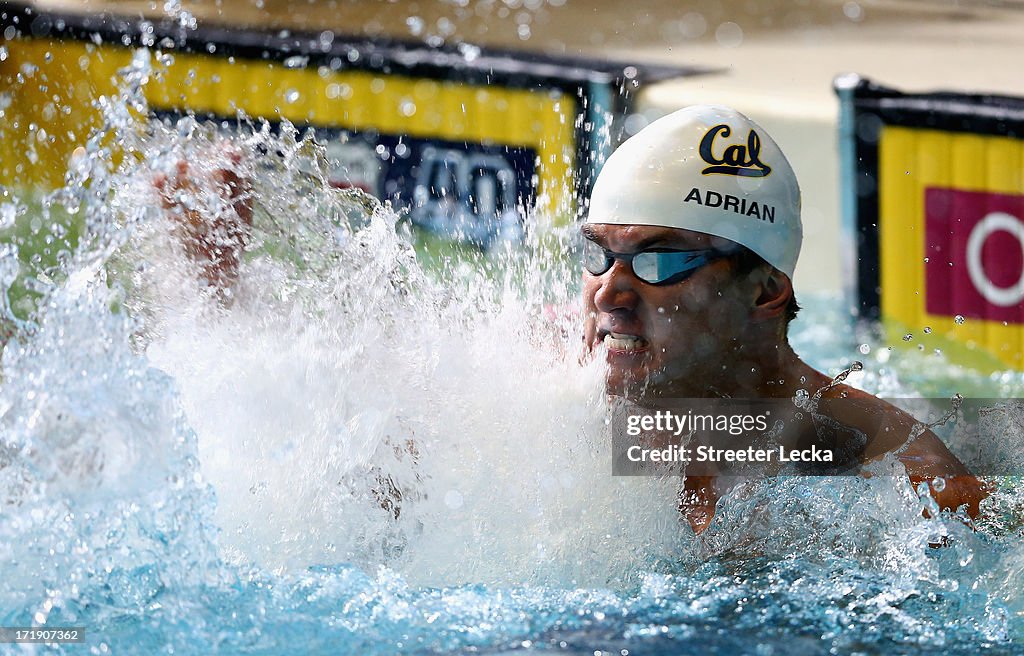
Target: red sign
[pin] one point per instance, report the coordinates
(974, 245)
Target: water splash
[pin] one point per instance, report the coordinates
(348, 446)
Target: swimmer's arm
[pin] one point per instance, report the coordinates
(927, 458)
(697, 500)
(924, 458)
(214, 243)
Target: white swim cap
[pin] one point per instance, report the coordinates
(709, 169)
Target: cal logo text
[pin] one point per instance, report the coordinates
(736, 159)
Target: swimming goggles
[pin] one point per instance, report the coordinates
(656, 266)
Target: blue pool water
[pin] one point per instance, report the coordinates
(183, 475)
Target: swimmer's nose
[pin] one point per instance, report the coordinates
(617, 290)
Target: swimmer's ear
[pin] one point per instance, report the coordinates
(776, 292)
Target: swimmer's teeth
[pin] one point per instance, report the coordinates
(621, 342)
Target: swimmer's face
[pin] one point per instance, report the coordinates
(675, 339)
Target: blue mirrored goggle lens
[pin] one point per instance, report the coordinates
(657, 267)
(668, 266)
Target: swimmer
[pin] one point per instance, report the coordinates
(691, 239)
(214, 241)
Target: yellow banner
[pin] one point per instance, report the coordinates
(49, 88)
(951, 240)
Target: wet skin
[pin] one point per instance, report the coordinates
(214, 244)
(720, 333)
(684, 327)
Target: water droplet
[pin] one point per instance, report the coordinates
(8, 212)
(926, 260)
(908, 337)
(469, 52)
(445, 26)
(959, 319)
(855, 12)
(415, 25)
(634, 123)
(864, 349)
(857, 365)
(729, 35)
(927, 330)
(453, 499)
(291, 95)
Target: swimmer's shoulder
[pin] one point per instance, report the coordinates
(925, 457)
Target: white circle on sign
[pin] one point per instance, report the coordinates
(1001, 296)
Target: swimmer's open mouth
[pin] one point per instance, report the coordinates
(623, 342)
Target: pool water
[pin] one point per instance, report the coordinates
(183, 472)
